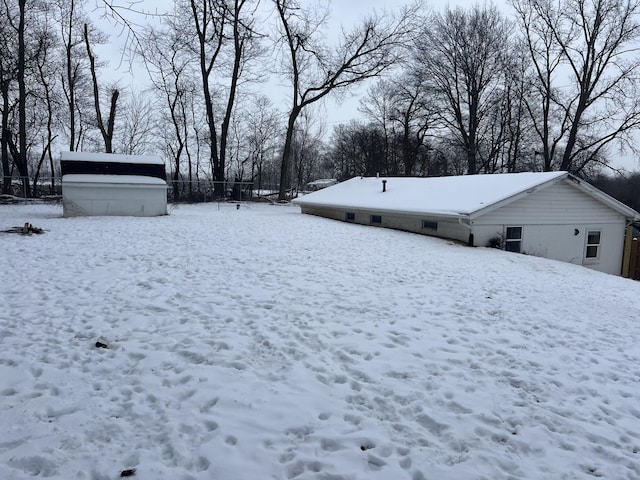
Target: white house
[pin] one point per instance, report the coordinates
(110, 184)
(551, 214)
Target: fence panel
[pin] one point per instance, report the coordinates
(178, 190)
(208, 191)
(45, 187)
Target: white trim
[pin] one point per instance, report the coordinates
(596, 259)
(608, 200)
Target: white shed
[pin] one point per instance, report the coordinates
(110, 184)
(551, 214)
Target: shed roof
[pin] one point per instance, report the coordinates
(110, 157)
(458, 196)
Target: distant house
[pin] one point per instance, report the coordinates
(552, 214)
(109, 184)
(320, 184)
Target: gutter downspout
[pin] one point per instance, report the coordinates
(471, 239)
(626, 250)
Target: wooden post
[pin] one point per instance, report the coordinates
(626, 257)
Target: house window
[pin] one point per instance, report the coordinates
(376, 219)
(593, 244)
(429, 225)
(350, 216)
(513, 239)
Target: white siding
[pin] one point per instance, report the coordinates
(559, 204)
(555, 223)
(143, 200)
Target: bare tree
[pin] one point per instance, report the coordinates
(586, 76)
(46, 76)
(307, 148)
(377, 106)
(359, 149)
(315, 69)
(414, 109)
(166, 52)
(20, 151)
(105, 130)
(71, 18)
(405, 109)
(28, 73)
(263, 131)
(8, 71)
(218, 23)
(138, 124)
(518, 145)
(462, 54)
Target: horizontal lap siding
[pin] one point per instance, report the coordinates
(558, 204)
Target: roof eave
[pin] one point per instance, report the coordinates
(629, 213)
(414, 213)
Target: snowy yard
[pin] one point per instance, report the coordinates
(260, 343)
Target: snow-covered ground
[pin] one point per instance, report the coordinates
(259, 343)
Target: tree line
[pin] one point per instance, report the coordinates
(474, 90)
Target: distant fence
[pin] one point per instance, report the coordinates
(44, 187)
(210, 191)
(177, 191)
(631, 259)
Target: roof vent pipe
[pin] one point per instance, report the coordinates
(384, 185)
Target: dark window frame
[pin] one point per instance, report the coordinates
(430, 225)
(513, 243)
(377, 219)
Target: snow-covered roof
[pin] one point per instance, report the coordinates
(459, 196)
(120, 179)
(110, 157)
(450, 196)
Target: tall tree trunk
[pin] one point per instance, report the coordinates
(71, 96)
(107, 133)
(4, 140)
(238, 44)
(21, 160)
(285, 166)
(206, 66)
(217, 173)
(108, 141)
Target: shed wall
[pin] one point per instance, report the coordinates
(114, 199)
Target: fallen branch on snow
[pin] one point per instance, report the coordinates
(27, 229)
